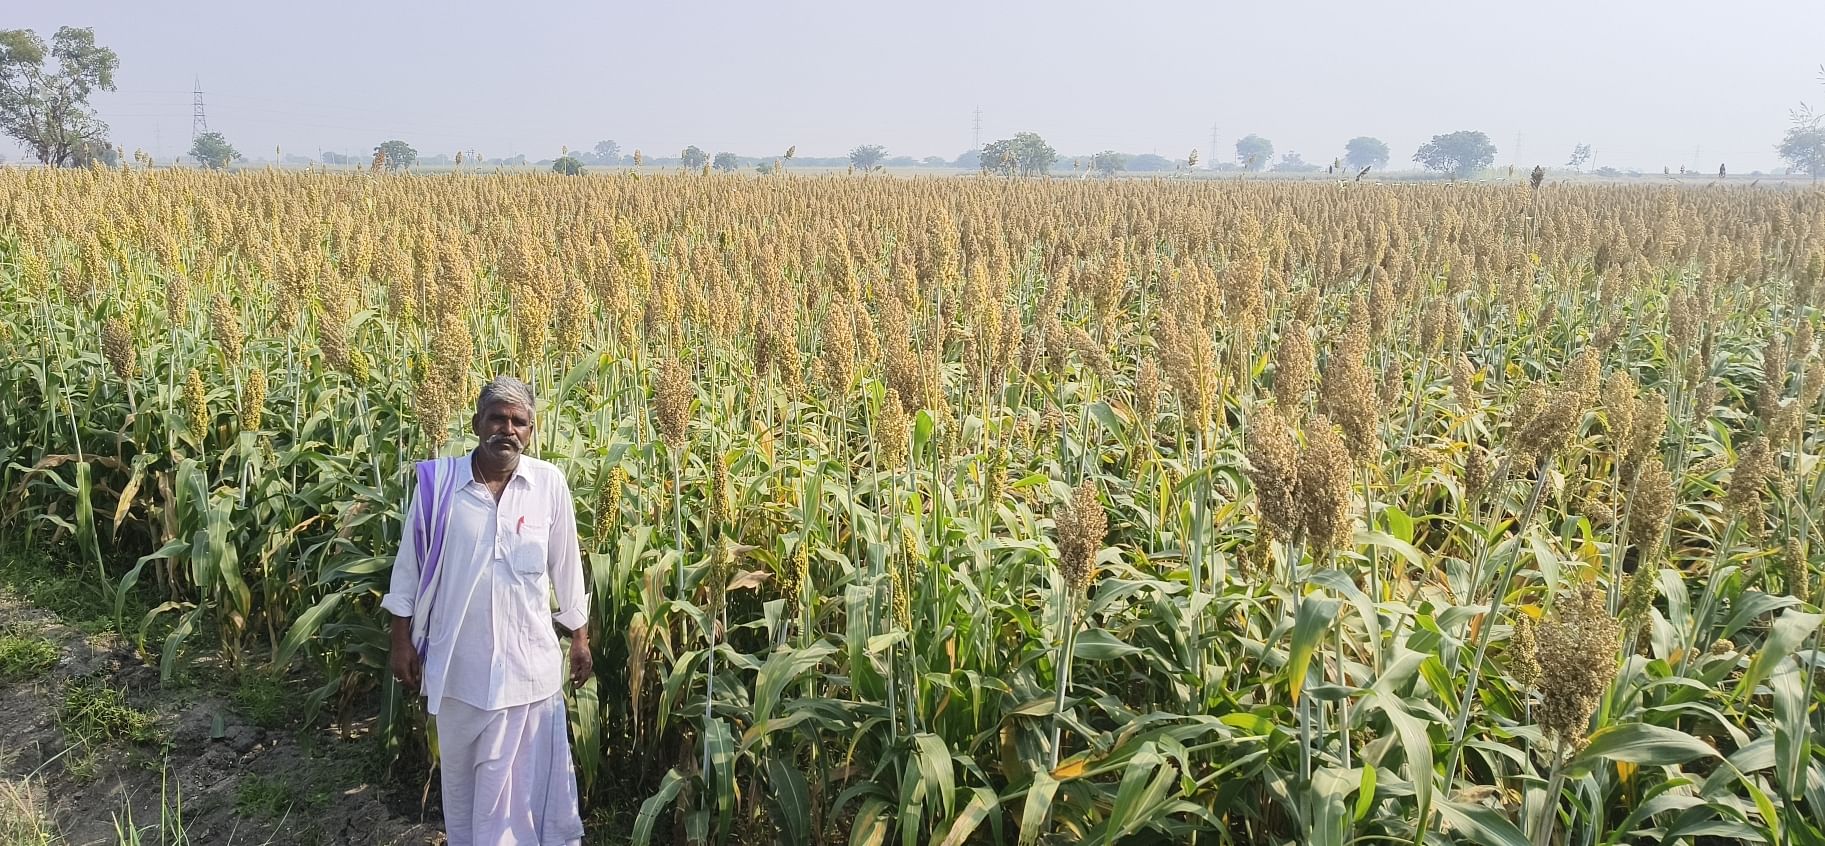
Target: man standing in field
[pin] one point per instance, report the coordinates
(489, 538)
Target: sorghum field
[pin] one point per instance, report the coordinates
(992, 511)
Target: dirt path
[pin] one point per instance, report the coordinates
(166, 759)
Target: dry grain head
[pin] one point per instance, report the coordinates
(253, 400)
(1743, 494)
(1796, 572)
(1323, 490)
(1577, 657)
(1146, 392)
(1273, 470)
(117, 346)
(196, 405)
(1294, 364)
(892, 431)
(672, 403)
(1080, 526)
(1523, 659)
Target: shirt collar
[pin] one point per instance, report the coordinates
(521, 471)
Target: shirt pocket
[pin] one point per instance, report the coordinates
(529, 547)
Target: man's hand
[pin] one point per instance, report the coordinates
(582, 663)
(407, 667)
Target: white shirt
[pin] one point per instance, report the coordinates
(492, 645)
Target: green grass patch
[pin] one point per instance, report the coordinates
(34, 575)
(276, 798)
(94, 714)
(265, 700)
(23, 657)
(258, 794)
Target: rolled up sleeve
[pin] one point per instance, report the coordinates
(564, 561)
(403, 587)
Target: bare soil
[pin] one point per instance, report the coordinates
(213, 773)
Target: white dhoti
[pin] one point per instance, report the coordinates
(507, 775)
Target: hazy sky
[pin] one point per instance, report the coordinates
(1646, 82)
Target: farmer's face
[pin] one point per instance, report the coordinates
(505, 428)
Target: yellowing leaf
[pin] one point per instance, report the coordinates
(1073, 768)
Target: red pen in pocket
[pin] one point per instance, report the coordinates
(521, 525)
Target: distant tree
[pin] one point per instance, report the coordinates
(998, 157)
(1363, 151)
(1254, 152)
(1292, 162)
(1034, 154)
(901, 161)
(968, 160)
(693, 158)
(48, 110)
(1025, 154)
(1581, 156)
(933, 161)
(726, 162)
(1108, 162)
(398, 155)
(767, 167)
(567, 165)
(1149, 162)
(866, 156)
(94, 151)
(213, 151)
(1803, 147)
(1459, 154)
(607, 152)
(335, 158)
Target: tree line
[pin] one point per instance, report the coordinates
(45, 91)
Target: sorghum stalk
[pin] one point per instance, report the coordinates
(1549, 811)
(1462, 722)
(1694, 643)
(677, 518)
(1080, 528)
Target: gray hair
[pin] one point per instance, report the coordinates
(505, 389)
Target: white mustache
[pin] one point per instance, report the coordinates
(506, 439)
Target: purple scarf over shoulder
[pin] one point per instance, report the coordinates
(438, 480)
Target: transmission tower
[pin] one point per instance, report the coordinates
(1213, 147)
(976, 134)
(199, 123)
